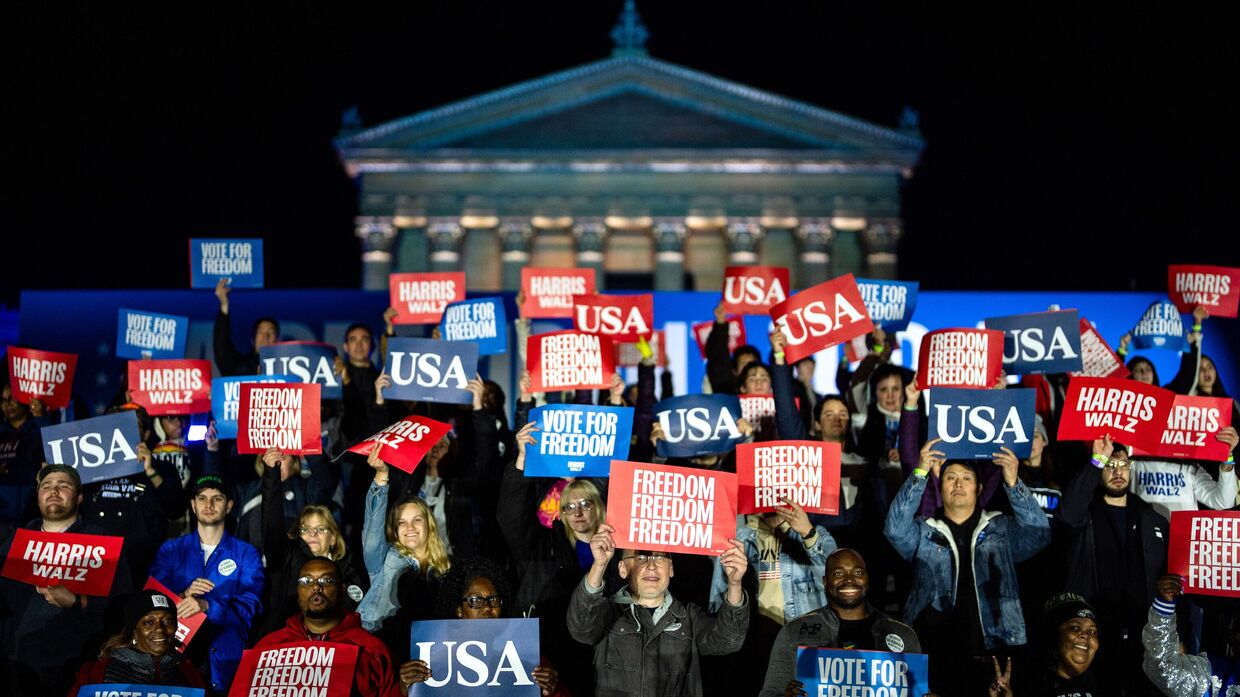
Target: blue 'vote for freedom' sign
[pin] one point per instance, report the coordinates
(1161, 327)
(119, 690)
(974, 424)
(308, 361)
(495, 657)
(481, 321)
(142, 335)
(426, 370)
(890, 304)
(238, 260)
(849, 673)
(698, 424)
(226, 400)
(101, 448)
(1040, 342)
(578, 440)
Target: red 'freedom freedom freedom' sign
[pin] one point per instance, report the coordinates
(671, 509)
(805, 472)
(968, 358)
(1202, 549)
(284, 416)
(570, 360)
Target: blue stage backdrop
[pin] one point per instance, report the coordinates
(84, 322)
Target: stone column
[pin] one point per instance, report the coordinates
(445, 236)
(669, 255)
(882, 242)
(815, 237)
(377, 234)
(591, 236)
(743, 238)
(514, 237)
(846, 254)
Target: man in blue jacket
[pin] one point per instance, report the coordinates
(214, 573)
(965, 602)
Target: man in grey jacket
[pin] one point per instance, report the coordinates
(847, 622)
(647, 643)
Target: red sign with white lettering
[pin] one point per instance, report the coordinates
(805, 472)
(658, 508)
(83, 564)
(570, 360)
(171, 386)
(281, 416)
(550, 292)
(820, 317)
(187, 627)
(404, 443)
(321, 668)
(1131, 412)
(1192, 429)
(419, 298)
(970, 358)
(619, 317)
(1097, 358)
(754, 290)
(736, 334)
(1216, 288)
(1202, 549)
(43, 375)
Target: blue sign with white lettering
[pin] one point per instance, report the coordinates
(578, 440)
(1161, 327)
(119, 690)
(426, 370)
(496, 657)
(1040, 342)
(100, 448)
(150, 334)
(226, 400)
(238, 260)
(308, 361)
(974, 424)
(845, 672)
(698, 424)
(481, 321)
(890, 304)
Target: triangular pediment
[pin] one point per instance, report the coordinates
(631, 103)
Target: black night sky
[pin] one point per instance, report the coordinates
(1070, 147)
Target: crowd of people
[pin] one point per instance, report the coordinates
(1041, 576)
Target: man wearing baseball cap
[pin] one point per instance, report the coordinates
(46, 631)
(215, 573)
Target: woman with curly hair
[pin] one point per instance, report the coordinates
(478, 589)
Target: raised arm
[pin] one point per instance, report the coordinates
(275, 537)
(718, 361)
(788, 422)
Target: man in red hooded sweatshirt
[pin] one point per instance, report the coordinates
(323, 618)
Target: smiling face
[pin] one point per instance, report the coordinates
(959, 487)
(890, 391)
(482, 591)
(1078, 642)
(58, 497)
(648, 580)
(154, 632)
(411, 527)
(847, 580)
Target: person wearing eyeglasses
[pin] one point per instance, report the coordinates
(323, 617)
(315, 534)
(1117, 549)
(217, 574)
(478, 589)
(646, 642)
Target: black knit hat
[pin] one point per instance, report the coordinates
(143, 602)
(1063, 607)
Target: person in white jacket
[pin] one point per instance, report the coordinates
(1184, 485)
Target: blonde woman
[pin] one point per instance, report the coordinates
(405, 557)
(314, 534)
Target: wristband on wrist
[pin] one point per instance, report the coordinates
(1099, 461)
(779, 355)
(920, 472)
(879, 348)
(1121, 351)
(908, 408)
(1197, 327)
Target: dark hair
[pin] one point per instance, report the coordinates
(1218, 390)
(745, 349)
(1142, 359)
(462, 574)
(882, 372)
(358, 325)
(749, 368)
(822, 403)
(272, 320)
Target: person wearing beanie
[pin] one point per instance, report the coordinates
(145, 651)
(1070, 643)
(47, 632)
(221, 575)
(1116, 547)
(965, 601)
(1178, 673)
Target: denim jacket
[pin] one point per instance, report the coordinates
(384, 564)
(999, 542)
(801, 569)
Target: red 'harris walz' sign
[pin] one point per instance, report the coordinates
(1216, 288)
(820, 317)
(42, 375)
(172, 386)
(84, 564)
(1131, 412)
(419, 298)
(404, 443)
(550, 292)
